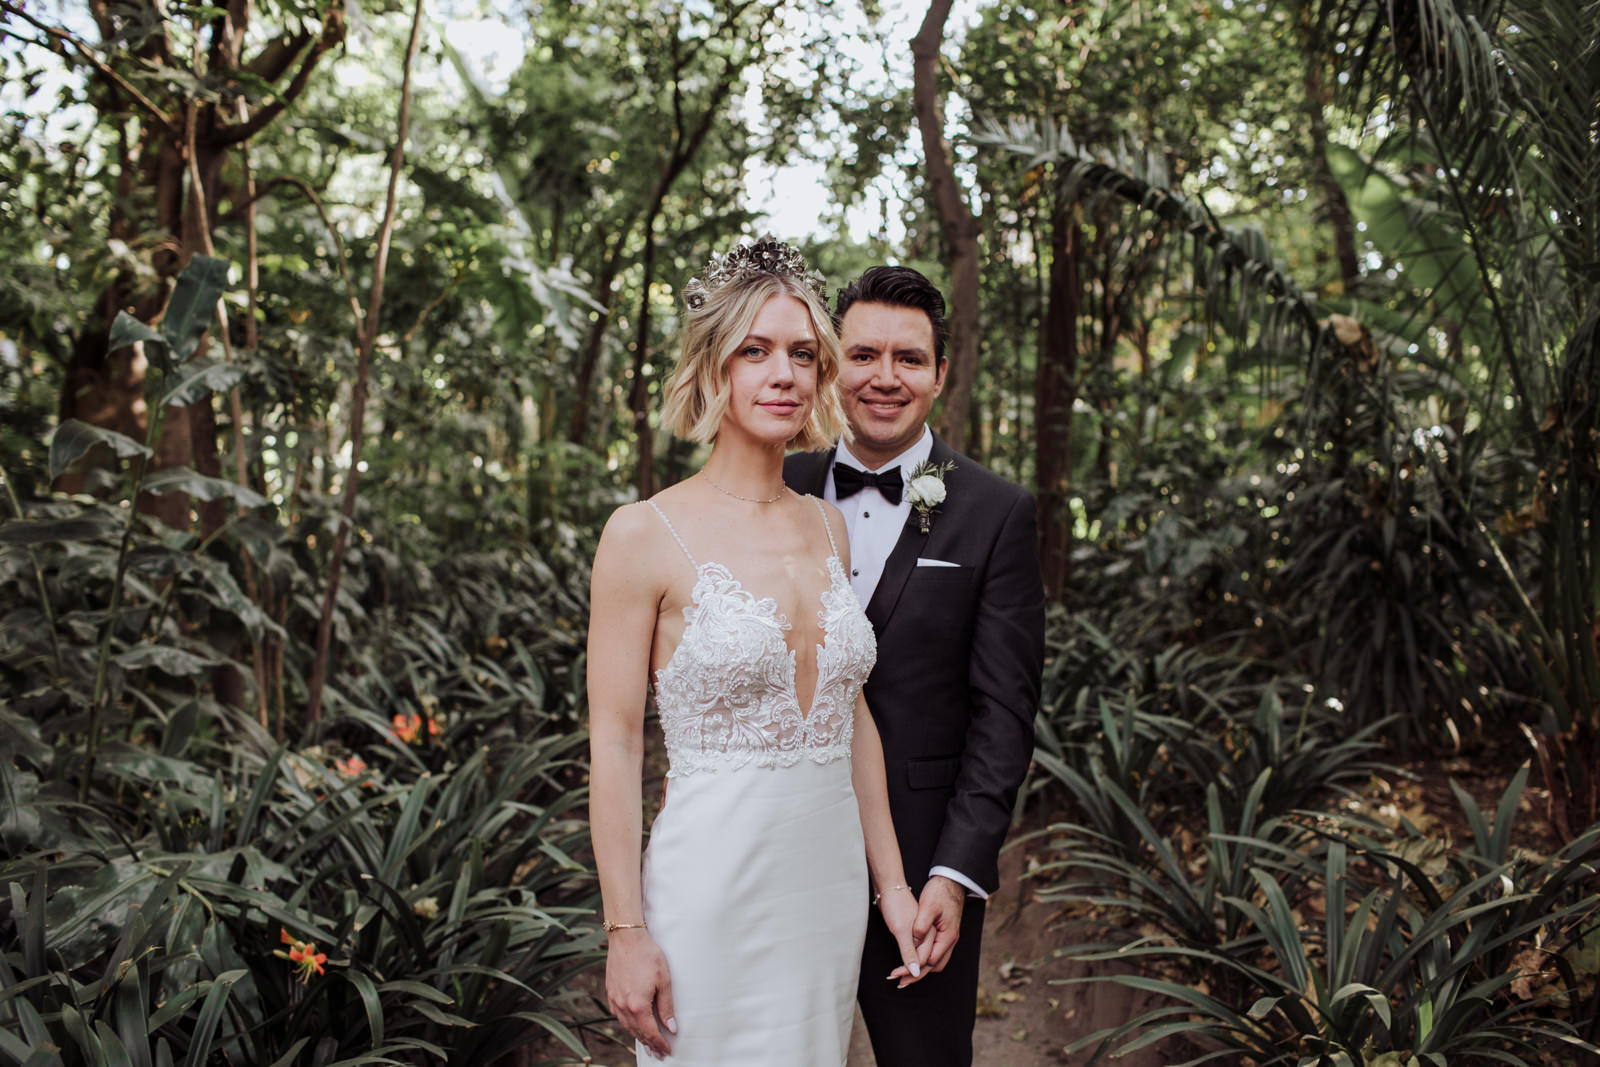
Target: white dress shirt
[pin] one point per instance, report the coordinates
(874, 526)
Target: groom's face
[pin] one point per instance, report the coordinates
(889, 379)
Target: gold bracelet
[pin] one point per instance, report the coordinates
(608, 926)
(879, 894)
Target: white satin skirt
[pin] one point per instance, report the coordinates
(755, 887)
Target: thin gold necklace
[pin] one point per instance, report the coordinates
(736, 496)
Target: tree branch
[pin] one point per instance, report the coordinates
(342, 257)
(276, 56)
(358, 403)
(332, 34)
(62, 38)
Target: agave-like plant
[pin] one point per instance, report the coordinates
(449, 908)
(1400, 968)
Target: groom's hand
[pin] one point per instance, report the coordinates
(938, 924)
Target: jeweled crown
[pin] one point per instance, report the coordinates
(767, 256)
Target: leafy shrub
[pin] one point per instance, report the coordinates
(403, 880)
(448, 903)
(1402, 968)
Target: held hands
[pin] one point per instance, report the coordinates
(935, 927)
(639, 989)
(938, 923)
(898, 906)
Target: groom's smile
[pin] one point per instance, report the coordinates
(889, 379)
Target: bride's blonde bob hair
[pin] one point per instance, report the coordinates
(698, 390)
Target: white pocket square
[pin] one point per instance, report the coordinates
(924, 561)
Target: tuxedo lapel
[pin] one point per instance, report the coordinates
(814, 478)
(896, 569)
(903, 559)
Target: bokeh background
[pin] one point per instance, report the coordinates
(331, 332)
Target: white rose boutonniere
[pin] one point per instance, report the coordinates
(926, 491)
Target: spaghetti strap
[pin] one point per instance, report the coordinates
(826, 525)
(673, 530)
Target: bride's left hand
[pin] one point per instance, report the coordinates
(899, 910)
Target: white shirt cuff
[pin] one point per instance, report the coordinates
(957, 876)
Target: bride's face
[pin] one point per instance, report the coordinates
(772, 375)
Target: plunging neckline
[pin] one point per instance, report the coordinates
(769, 605)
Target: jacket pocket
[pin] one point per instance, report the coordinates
(941, 575)
(937, 773)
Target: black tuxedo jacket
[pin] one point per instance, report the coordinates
(960, 654)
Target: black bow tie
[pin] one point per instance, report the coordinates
(848, 481)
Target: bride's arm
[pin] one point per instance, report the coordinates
(894, 897)
(624, 599)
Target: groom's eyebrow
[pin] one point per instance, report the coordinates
(903, 350)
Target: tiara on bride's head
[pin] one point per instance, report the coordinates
(766, 256)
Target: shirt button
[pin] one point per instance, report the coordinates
(855, 573)
(866, 514)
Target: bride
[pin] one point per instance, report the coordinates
(739, 940)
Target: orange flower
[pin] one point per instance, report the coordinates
(307, 960)
(303, 954)
(408, 727)
(351, 766)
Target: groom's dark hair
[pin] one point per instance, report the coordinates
(899, 287)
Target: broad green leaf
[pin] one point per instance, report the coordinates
(199, 377)
(127, 329)
(210, 1014)
(180, 727)
(75, 437)
(115, 1053)
(371, 1001)
(1436, 255)
(1263, 1007)
(46, 531)
(131, 1027)
(1378, 1002)
(164, 657)
(193, 304)
(184, 480)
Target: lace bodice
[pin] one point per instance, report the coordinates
(727, 696)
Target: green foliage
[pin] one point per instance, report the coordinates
(202, 835)
(1309, 506)
(448, 902)
(159, 846)
(1472, 959)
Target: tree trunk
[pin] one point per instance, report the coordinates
(1054, 392)
(159, 151)
(1334, 203)
(639, 395)
(358, 403)
(605, 292)
(956, 220)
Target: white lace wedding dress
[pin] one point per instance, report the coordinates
(755, 879)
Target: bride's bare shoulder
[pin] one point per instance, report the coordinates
(632, 537)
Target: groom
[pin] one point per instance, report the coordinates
(952, 586)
